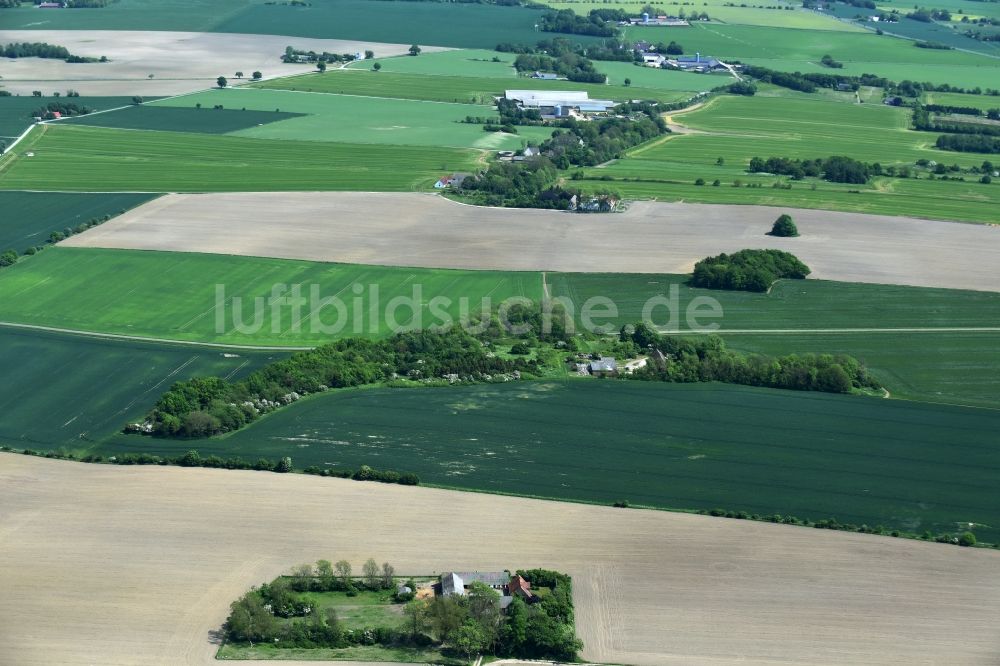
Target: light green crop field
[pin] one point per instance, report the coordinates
(29, 217)
(176, 296)
(352, 119)
(905, 465)
(469, 90)
(127, 160)
(66, 392)
(737, 129)
(983, 102)
(801, 50)
(719, 10)
(458, 25)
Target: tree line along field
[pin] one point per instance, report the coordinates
(353, 119)
(127, 160)
(737, 129)
(64, 392)
(16, 111)
(38, 214)
(81, 289)
(464, 89)
(905, 466)
(426, 23)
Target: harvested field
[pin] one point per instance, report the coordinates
(651, 237)
(116, 565)
(160, 63)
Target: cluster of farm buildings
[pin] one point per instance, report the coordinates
(457, 584)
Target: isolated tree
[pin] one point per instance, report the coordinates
(321, 65)
(387, 575)
(785, 227)
(221, 82)
(414, 50)
(967, 539)
(8, 258)
(137, 100)
(343, 568)
(377, 66)
(370, 571)
(284, 465)
(369, 55)
(256, 76)
(151, 76)
(627, 82)
(36, 93)
(720, 161)
(239, 75)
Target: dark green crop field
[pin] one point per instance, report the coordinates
(16, 112)
(425, 23)
(66, 392)
(907, 466)
(29, 217)
(181, 119)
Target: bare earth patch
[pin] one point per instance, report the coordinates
(180, 62)
(126, 565)
(422, 230)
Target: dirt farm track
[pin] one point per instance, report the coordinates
(130, 565)
(422, 230)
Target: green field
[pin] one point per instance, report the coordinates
(179, 117)
(29, 217)
(426, 23)
(352, 119)
(173, 295)
(904, 465)
(738, 128)
(983, 102)
(476, 63)
(67, 392)
(16, 112)
(473, 90)
(127, 160)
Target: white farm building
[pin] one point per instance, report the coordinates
(559, 103)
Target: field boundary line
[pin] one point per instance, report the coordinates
(140, 338)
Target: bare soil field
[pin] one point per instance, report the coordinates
(179, 62)
(131, 565)
(423, 230)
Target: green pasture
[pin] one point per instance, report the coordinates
(984, 102)
(904, 465)
(476, 63)
(29, 217)
(181, 118)
(16, 112)
(175, 295)
(67, 392)
(353, 119)
(739, 128)
(108, 159)
(465, 89)
(424, 23)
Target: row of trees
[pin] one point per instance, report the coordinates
(836, 169)
(968, 143)
(573, 66)
(747, 270)
(706, 359)
(206, 406)
(569, 22)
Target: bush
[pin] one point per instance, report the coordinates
(785, 227)
(967, 539)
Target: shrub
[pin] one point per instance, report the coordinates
(967, 539)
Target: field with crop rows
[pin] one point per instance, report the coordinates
(173, 161)
(903, 465)
(181, 118)
(173, 295)
(353, 119)
(64, 392)
(40, 213)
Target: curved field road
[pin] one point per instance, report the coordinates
(102, 564)
(422, 230)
